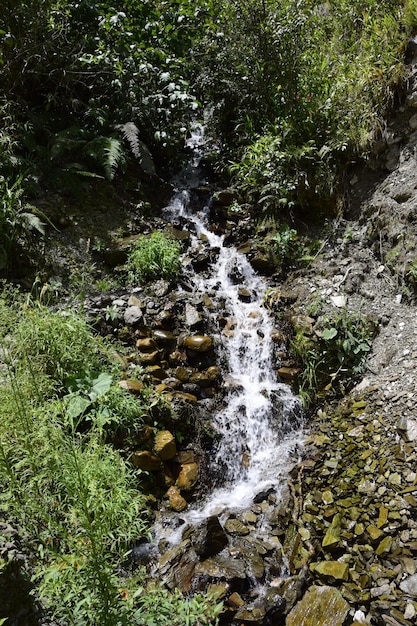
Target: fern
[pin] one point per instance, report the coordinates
(140, 150)
(107, 152)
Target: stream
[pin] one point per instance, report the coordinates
(260, 422)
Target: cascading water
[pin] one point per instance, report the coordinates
(260, 424)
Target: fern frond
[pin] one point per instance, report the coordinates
(131, 133)
(140, 150)
(107, 152)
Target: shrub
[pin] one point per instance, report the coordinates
(334, 356)
(157, 256)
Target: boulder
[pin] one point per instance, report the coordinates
(320, 606)
(145, 460)
(133, 315)
(209, 538)
(176, 501)
(199, 343)
(164, 445)
(188, 476)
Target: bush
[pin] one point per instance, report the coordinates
(157, 256)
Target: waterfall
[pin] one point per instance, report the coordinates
(260, 422)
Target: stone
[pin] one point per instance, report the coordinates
(235, 527)
(133, 386)
(192, 317)
(164, 337)
(146, 345)
(176, 501)
(224, 567)
(331, 571)
(164, 445)
(409, 586)
(385, 546)
(199, 343)
(235, 601)
(320, 606)
(288, 374)
(145, 460)
(188, 476)
(132, 315)
(332, 536)
(149, 358)
(209, 538)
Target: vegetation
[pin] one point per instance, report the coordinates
(157, 256)
(76, 499)
(333, 355)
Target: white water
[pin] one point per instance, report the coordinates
(260, 424)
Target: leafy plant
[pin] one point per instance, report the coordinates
(157, 256)
(334, 355)
(18, 219)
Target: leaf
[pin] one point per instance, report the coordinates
(77, 405)
(329, 333)
(100, 386)
(107, 152)
(32, 222)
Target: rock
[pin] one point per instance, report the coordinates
(409, 586)
(133, 386)
(176, 501)
(199, 343)
(133, 315)
(320, 606)
(146, 345)
(209, 538)
(144, 460)
(235, 527)
(332, 536)
(164, 337)
(222, 567)
(149, 358)
(164, 445)
(234, 601)
(193, 317)
(188, 476)
(244, 295)
(331, 571)
(263, 265)
(288, 374)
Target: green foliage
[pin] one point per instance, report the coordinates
(157, 256)
(75, 498)
(410, 15)
(18, 219)
(57, 344)
(334, 355)
(299, 88)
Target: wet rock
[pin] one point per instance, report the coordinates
(146, 345)
(145, 460)
(320, 606)
(222, 567)
(164, 337)
(233, 526)
(244, 295)
(164, 445)
(209, 538)
(176, 501)
(188, 476)
(199, 343)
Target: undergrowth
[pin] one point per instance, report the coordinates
(76, 499)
